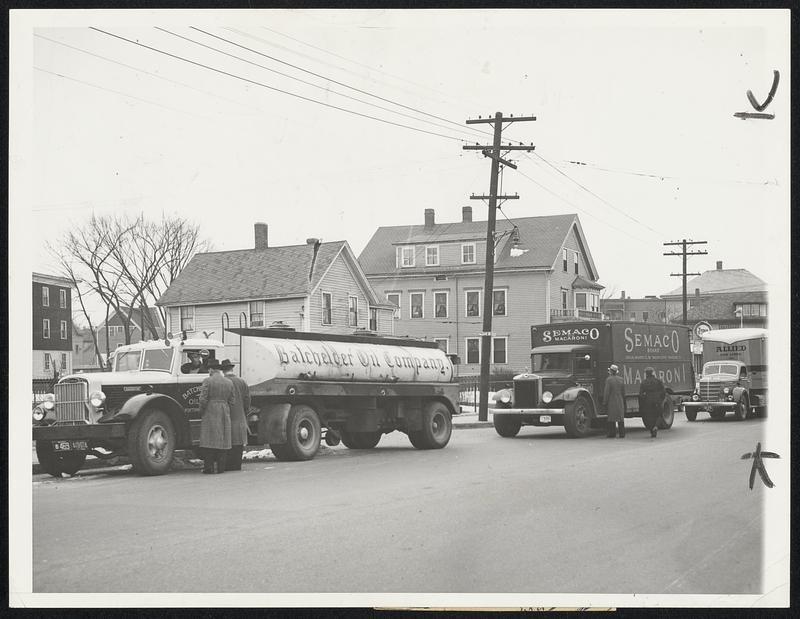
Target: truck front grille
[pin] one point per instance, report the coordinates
(526, 393)
(71, 398)
(710, 392)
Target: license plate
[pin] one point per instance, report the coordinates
(544, 419)
(70, 446)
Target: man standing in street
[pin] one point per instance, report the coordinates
(216, 399)
(238, 417)
(614, 398)
(651, 400)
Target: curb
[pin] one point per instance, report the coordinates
(473, 424)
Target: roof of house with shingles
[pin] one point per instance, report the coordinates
(136, 315)
(540, 241)
(721, 280)
(721, 306)
(249, 274)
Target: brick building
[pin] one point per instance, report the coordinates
(52, 326)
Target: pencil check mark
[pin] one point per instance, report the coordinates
(760, 107)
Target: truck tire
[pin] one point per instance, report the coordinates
(717, 414)
(361, 440)
(69, 462)
(505, 427)
(742, 411)
(577, 417)
(151, 442)
(303, 434)
(691, 415)
(667, 415)
(437, 427)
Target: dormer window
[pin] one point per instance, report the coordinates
(468, 253)
(405, 256)
(432, 256)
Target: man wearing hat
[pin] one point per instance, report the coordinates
(216, 399)
(197, 364)
(238, 417)
(614, 398)
(651, 400)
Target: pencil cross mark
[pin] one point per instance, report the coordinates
(758, 465)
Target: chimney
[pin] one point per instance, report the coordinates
(315, 244)
(622, 296)
(466, 214)
(719, 265)
(697, 293)
(429, 218)
(262, 241)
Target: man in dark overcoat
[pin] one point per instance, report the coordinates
(216, 398)
(238, 417)
(651, 400)
(614, 398)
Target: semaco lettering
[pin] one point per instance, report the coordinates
(564, 335)
(669, 341)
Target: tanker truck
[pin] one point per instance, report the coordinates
(734, 377)
(304, 387)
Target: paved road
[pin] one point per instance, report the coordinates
(538, 513)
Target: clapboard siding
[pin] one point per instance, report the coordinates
(563, 280)
(449, 254)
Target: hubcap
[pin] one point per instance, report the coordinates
(438, 426)
(580, 416)
(157, 442)
(304, 432)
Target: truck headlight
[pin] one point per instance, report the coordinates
(38, 413)
(97, 398)
(726, 390)
(503, 396)
(49, 401)
(547, 397)
(695, 397)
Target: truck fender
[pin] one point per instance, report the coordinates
(739, 393)
(133, 406)
(571, 394)
(272, 423)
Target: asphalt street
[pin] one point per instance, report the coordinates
(538, 513)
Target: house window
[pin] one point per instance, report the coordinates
(417, 302)
(63, 329)
(564, 299)
(393, 298)
(187, 318)
(432, 255)
(256, 313)
(499, 303)
(580, 300)
(499, 350)
(327, 303)
(353, 311)
(575, 261)
(47, 361)
(45, 296)
(62, 299)
(473, 304)
(751, 309)
(373, 319)
(468, 253)
(564, 259)
(405, 256)
(473, 350)
(440, 303)
(64, 361)
(645, 316)
(595, 303)
(443, 343)
(633, 315)
(46, 328)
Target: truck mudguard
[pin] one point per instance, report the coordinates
(572, 393)
(133, 406)
(738, 392)
(272, 423)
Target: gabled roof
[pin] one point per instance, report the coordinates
(721, 280)
(540, 241)
(580, 282)
(256, 274)
(136, 318)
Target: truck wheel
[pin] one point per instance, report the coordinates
(505, 427)
(667, 415)
(717, 414)
(69, 462)
(577, 417)
(437, 427)
(303, 434)
(361, 440)
(691, 415)
(742, 410)
(151, 442)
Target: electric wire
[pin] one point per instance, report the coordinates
(302, 81)
(273, 88)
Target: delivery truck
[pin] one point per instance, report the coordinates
(734, 376)
(304, 387)
(569, 366)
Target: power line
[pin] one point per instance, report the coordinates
(302, 81)
(333, 81)
(285, 92)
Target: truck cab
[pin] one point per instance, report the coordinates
(722, 387)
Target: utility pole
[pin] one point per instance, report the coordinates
(494, 153)
(684, 274)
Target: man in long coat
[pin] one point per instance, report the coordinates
(238, 417)
(651, 400)
(216, 398)
(614, 398)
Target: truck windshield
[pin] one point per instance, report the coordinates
(552, 361)
(158, 359)
(720, 368)
(127, 361)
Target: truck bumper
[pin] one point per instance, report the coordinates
(86, 431)
(708, 406)
(532, 416)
